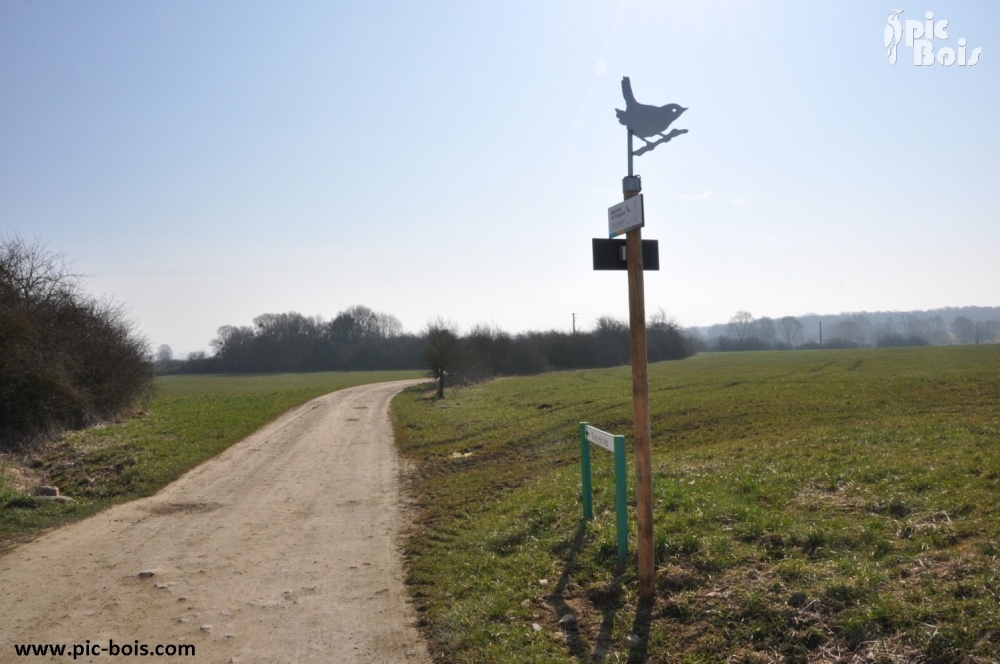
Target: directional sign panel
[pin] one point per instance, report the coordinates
(625, 216)
(610, 254)
(601, 438)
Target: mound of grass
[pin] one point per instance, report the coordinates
(191, 419)
(829, 505)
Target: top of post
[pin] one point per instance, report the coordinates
(631, 186)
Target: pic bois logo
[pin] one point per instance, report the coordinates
(929, 41)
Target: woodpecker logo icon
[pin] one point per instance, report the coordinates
(893, 33)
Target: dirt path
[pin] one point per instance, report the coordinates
(285, 548)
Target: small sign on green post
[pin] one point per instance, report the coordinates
(615, 445)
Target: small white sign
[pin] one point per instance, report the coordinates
(625, 216)
(601, 438)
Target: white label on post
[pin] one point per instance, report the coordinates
(601, 438)
(625, 216)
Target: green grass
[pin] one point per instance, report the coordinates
(190, 419)
(809, 506)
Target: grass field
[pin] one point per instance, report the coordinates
(835, 506)
(190, 419)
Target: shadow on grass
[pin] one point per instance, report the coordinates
(640, 628)
(607, 599)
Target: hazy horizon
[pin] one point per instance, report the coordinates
(205, 163)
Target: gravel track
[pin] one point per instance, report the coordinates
(284, 548)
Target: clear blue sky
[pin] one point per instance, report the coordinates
(206, 162)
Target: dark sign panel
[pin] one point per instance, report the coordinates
(610, 254)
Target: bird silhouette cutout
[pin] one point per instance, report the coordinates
(647, 121)
(893, 33)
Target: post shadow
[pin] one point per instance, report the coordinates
(608, 598)
(639, 653)
(556, 600)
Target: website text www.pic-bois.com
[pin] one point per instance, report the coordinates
(112, 649)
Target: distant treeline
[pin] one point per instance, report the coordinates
(855, 330)
(487, 351)
(359, 339)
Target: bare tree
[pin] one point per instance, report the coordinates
(36, 275)
(886, 329)
(988, 331)
(915, 327)
(232, 344)
(388, 326)
(164, 354)
(660, 318)
(365, 321)
(740, 327)
(359, 322)
(938, 331)
(443, 352)
(790, 330)
(489, 350)
(964, 330)
(764, 329)
(848, 331)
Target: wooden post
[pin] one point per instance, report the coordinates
(640, 407)
(621, 510)
(440, 393)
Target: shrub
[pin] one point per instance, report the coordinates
(67, 360)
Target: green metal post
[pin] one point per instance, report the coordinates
(621, 516)
(588, 505)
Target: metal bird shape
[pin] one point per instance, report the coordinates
(644, 120)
